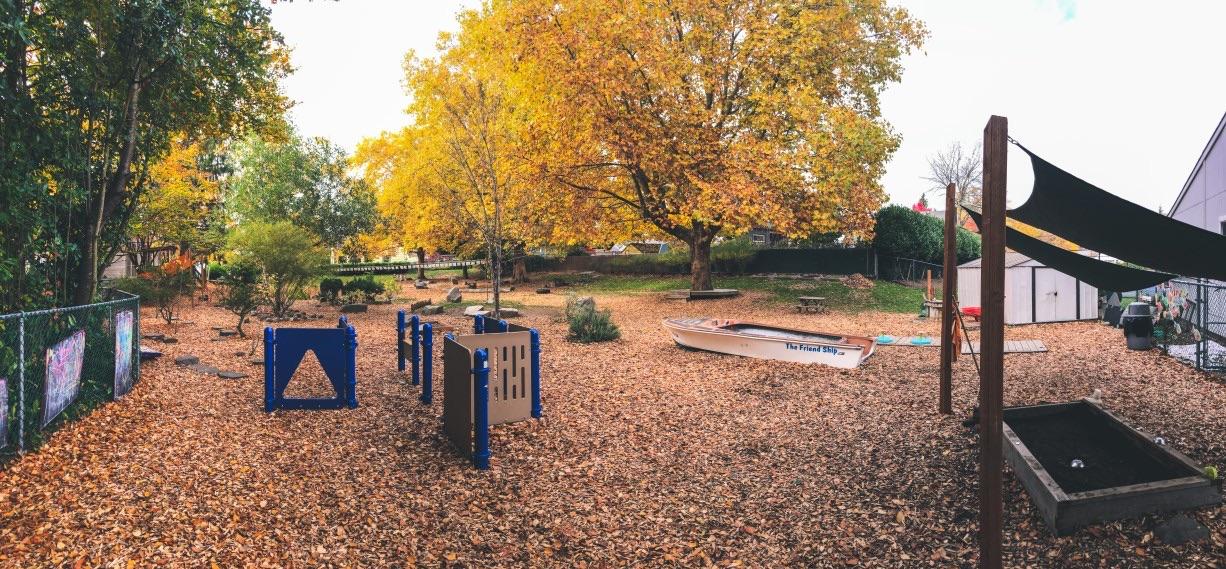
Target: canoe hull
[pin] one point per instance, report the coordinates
(712, 337)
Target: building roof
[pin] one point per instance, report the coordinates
(1012, 259)
(1200, 163)
(646, 246)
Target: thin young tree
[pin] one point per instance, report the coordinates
(961, 167)
(461, 177)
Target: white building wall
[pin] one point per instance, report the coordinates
(1046, 295)
(968, 286)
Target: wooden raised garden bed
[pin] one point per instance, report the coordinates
(1125, 474)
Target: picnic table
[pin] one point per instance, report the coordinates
(811, 304)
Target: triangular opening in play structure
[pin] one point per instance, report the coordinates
(309, 380)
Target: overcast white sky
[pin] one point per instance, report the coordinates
(1123, 94)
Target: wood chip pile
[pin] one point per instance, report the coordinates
(648, 455)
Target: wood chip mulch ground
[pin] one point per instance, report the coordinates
(649, 455)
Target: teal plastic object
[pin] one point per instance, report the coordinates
(921, 341)
(885, 339)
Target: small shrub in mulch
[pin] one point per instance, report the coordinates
(589, 325)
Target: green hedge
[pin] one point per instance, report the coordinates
(904, 233)
(538, 263)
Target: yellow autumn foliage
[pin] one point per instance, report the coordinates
(689, 117)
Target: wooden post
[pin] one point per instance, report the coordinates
(949, 274)
(992, 342)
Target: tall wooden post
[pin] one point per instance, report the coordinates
(949, 276)
(992, 342)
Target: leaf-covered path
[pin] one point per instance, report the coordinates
(648, 455)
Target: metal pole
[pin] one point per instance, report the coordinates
(992, 342)
(399, 340)
(481, 409)
(21, 383)
(1202, 347)
(415, 334)
(536, 372)
(351, 382)
(269, 389)
(948, 272)
(427, 376)
(136, 339)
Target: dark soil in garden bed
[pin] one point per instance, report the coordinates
(1111, 458)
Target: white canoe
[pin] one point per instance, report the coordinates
(770, 342)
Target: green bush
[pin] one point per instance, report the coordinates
(904, 233)
(218, 271)
(670, 263)
(365, 288)
(330, 289)
(288, 256)
(538, 263)
(242, 272)
(969, 246)
(244, 293)
(162, 287)
(589, 325)
(733, 256)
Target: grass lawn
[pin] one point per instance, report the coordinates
(389, 281)
(885, 296)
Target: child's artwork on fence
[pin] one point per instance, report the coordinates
(4, 412)
(64, 363)
(123, 353)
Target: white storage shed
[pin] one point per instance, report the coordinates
(1034, 292)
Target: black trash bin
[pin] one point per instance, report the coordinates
(1138, 323)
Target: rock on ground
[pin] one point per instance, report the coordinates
(187, 360)
(474, 309)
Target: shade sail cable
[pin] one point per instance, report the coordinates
(1101, 274)
(1074, 209)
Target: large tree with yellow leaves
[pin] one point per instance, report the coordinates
(463, 176)
(701, 116)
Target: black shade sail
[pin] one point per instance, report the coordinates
(1101, 274)
(1074, 209)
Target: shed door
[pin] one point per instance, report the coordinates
(1045, 294)
(1066, 297)
(1055, 297)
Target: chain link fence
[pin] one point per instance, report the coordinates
(906, 271)
(1206, 313)
(57, 365)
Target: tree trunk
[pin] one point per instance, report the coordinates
(700, 258)
(519, 270)
(421, 258)
(87, 269)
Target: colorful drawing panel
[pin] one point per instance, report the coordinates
(64, 363)
(123, 353)
(4, 412)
